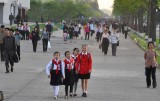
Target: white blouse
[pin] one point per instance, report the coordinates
(48, 67)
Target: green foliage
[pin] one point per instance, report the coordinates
(122, 7)
(60, 10)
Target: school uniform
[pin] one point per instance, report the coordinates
(55, 68)
(69, 76)
(84, 65)
(74, 69)
(27, 30)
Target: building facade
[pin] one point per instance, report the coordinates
(13, 6)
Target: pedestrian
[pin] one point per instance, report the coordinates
(35, 37)
(105, 41)
(92, 28)
(55, 71)
(27, 31)
(76, 29)
(150, 65)
(11, 18)
(49, 28)
(65, 32)
(2, 35)
(125, 30)
(80, 27)
(99, 33)
(114, 40)
(45, 39)
(87, 32)
(76, 79)
(37, 26)
(18, 37)
(22, 31)
(69, 76)
(71, 32)
(9, 49)
(84, 68)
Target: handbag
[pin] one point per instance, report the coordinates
(118, 43)
(30, 36)
(100, 46)
(49, 44)
(15, 58)
(1, 96)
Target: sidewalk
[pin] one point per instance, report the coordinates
(119, 78)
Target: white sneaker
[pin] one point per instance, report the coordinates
(66, 97)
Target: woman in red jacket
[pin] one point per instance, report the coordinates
(84, 68)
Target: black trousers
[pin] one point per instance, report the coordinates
(2, 52)
(23, 34)
(87, 35)
(8, 54)
(92, 32)
(45, 44)
(18, 51)
(98, 36)
(27, 35)
(114, 49)
(66, 89)
(34, 43)
(151, 72)
(126, 33)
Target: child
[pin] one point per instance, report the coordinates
(150, 65)
(65, 36)
(69, 76)
(74, 56)
(84, 68)
(55, 71)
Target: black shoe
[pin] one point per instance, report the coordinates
(75, 95)
(148, 86)
(83, 95)
(155, 85)
(71, 95)
(12, 69)
(7, 71)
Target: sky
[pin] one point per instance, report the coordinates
(106, 4)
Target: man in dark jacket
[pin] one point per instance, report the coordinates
(49, 28)
(9, 49)
(2, 29)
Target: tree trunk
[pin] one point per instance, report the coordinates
(140, 20)
(152, 20)
(136, 23)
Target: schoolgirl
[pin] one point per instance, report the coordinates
(55, 71)
(84, 68)
(74, 56)
(69, 76)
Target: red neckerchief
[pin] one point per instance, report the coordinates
(57, 64)
(69, 62)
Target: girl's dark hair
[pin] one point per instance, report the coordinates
(66, 53)
(57, 53)
(150, 43)
(75, 49)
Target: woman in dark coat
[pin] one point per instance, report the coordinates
(35, 38)
(105, 41)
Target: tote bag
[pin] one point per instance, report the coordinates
(49, 44)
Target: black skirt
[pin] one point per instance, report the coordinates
(84, 76)
(69, 78)
(76, 34)
(56, 79)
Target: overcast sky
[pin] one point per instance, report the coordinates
(106, 4)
